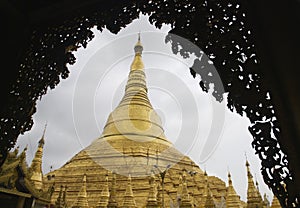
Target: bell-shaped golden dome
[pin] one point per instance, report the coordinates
(135, 117)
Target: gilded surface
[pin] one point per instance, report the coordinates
(18, 179)
(275, 203)
(135, 161)
(232, 199)
(253, 196)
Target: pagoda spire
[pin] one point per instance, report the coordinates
(275, 203)
(152, 200)
(22, 157)
(82, 196)
(232, 199)
(159, 195)
(134, 117)
(185, 197)
(36, 164)
(129, 201)
(257, 190)
(209, 201)
(253, 199)
(104, 198)
(266, 203)
(112, 202)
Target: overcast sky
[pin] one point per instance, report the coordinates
(77, 109)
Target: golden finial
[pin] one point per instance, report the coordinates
(138, 48)
(247, 163)
(256, 183)
(45, 128)
(229, 179)
(42, 140)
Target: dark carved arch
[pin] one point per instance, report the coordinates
(221, 28)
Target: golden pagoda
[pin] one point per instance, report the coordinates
(133, 164)
(36, 165)
(131, 149)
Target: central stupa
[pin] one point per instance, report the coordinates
(132, 164)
